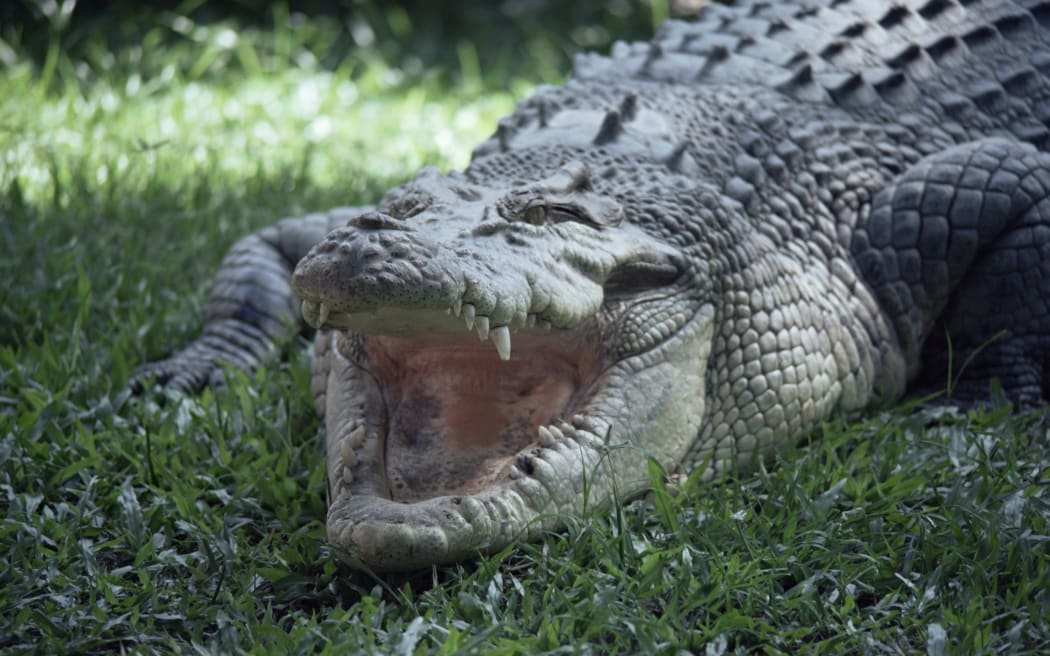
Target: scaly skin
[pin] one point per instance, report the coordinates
(695, 251)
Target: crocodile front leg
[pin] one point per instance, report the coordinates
(252, 306)
(956, 251)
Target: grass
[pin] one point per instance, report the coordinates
(197, 525)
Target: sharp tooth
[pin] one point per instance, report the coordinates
(468, 315)
(530, 321)
(546, 437)
(348, 476)
(457, 307)
(357, 437)
(501, 338)
(556, 432)
(322, 315)
(482, 324)
(346, 449)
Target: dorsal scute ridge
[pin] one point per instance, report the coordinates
(894, 59)
(676, 159)
(504, 132)
(769, 43)
(629, 106)
(611, 127)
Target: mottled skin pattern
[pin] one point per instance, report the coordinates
(695, 251)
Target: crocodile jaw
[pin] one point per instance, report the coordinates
(441, 446)
(596, 451)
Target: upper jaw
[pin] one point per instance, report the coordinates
(498, 274)
(452, 321)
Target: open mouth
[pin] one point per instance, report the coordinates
(452, 414)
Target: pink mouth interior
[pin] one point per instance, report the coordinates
(457, 415)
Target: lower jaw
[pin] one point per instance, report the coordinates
(543, 486)
(523, 495)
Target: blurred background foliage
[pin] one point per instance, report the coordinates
(416, 37)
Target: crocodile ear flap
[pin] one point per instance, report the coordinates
(600, 211)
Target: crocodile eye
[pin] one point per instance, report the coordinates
(536, 214)
(587, 209)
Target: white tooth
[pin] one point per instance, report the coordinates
(348, 476)
(468, 315)
(346, 449)
(514, 473)
(501, 338)
(546, 437)
(322, 315)
(457, 307)
(356, 437)
(556, 432)
(530, 321)
(482, 324)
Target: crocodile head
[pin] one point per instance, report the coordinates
(498, 359)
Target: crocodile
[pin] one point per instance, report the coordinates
(692, 254)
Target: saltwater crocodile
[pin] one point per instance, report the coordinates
(694, 252)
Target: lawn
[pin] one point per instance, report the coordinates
(135, 152)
